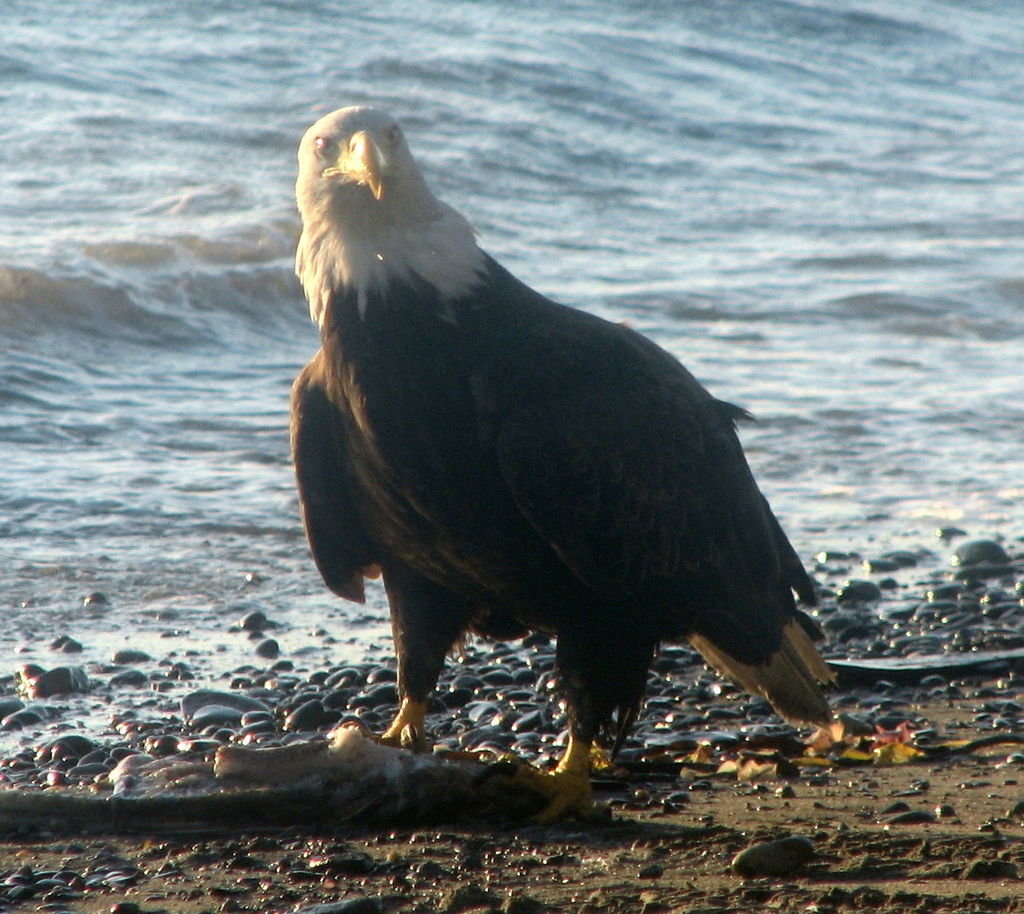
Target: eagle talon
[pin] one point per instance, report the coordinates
(407, 730)
(566, 791)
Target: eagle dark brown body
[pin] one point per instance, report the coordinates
(514, 465)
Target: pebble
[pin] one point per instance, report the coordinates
(980, 552)
(216, 716)
(774, 858)
(857, 591)
(311, 715)
(129, 678)
(67, 746)
(911, 817)
(9, 704)
(255, 621)
(32, 682)
(468, 896)
(127, 656)
(268, 648)
(991, 869)
(202, 698)
(384, 693)
(26, 717)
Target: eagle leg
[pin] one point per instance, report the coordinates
(426, 621)
(602, 673)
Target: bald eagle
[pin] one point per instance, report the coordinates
(510, 465)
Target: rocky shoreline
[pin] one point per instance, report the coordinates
(673, 819)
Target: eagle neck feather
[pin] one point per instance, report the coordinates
(364, 251)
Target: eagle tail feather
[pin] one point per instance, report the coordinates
(789, 679)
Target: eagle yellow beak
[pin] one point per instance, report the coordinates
(362, 162)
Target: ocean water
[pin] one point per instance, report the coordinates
(818, 206)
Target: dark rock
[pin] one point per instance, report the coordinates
(773, 858)
(522, 904)
(480, 711)
(349, 864)
(129, 678)
(348, 676)
(901, 558)
(468, 896)
(87, 772)
(948, 533)
(469, 681)
(61, 680)
(66, 746)
(827, 556)
(456, 698)
(216, 716)
(980, 552)
(129, 655)
(310, 715)
(498, 677)
(431, 870)
(26, 717)
(530, 722)
(973, 575)
(203, 698)
(384, 693)
(894, 808)
(252, 717)
(255, 621)
(9, 704)
(858, 592)
(880, 566)
(991, 869)
(66, 645)
(268, 649)
(338, 699)
(911, 817)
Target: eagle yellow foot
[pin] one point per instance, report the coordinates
(566, 791)
(407, 730)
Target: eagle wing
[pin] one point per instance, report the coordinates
(341, 548)
(646, 496)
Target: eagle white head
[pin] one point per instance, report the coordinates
(368, 217)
